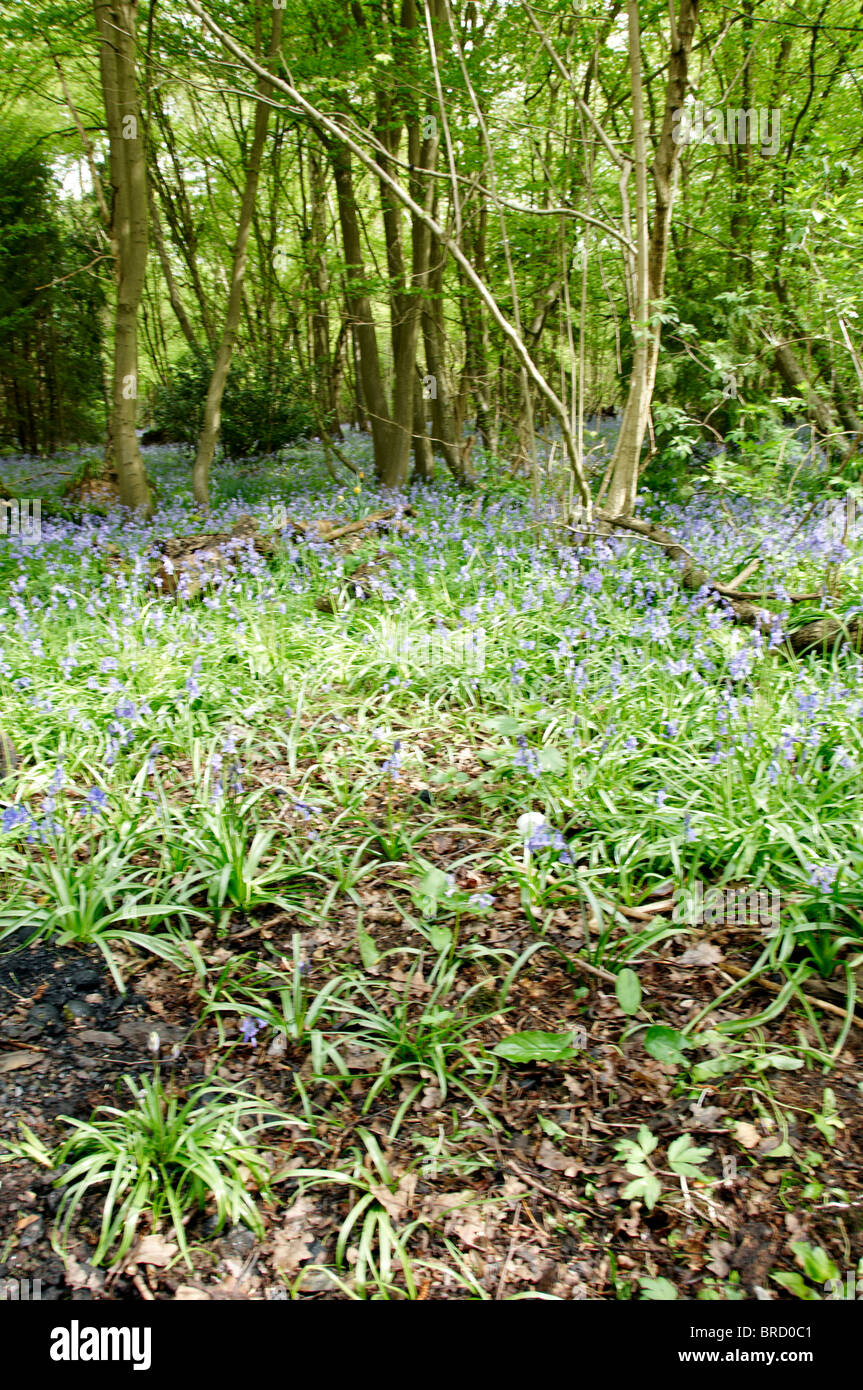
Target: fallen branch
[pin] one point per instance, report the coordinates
(323, 531)
(820, 634)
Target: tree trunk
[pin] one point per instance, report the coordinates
(171, 284)
(823, 359)
(651, 246)
(374, 401)
(320, 287)
(474, 382)
(422, 445)
(434, 340)
(213, 405)
(796, 381)
(115, 24)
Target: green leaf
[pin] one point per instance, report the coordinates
(551, 1128)
(550, 760)
(433, 884)
(646, 1141)
(657, 1290)
(666, 1044)
(536, 1047)
(504, 724)
(685, 1159)
(627, 987)
(440, 938)
(368, 950)
(648, 1189)
(777, 1060)
(796, 1284)
(716, 1066)
(817, 1264)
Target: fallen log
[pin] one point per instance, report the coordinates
(821, 634)
(189, 564)
(325, 530)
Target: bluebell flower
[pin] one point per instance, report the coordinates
(393, 763)
(740, 664)
(13, 816)
(480, 900)
(96, 800)
(525, 757)
(822, 876)
(250, 1028)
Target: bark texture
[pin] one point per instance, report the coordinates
(115, 24)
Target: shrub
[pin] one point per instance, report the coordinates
(265, 405)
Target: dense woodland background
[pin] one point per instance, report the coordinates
(260, 238)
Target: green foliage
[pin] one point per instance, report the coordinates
(51, 302)
(534, 1046)
(265, 405)
(163, 1157)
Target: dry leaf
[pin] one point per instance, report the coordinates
(703, 953)
(152, 1250)
(16, 1060)
(746, 1134)
(557, 1162)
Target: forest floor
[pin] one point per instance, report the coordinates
(355, 901)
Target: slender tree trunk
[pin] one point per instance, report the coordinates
(823, 359)
(171, 284)
(374, 401)
(434, 340)
(115, 24)
(320, 283)
(474, 382)
(422, 445)
(794, 377)
(221, 367)
(178, 213)
(651, 246)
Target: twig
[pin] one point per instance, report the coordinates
(510, 1252)
(828, 1008)
(541, 1187)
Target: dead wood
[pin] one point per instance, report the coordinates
(820, 635)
